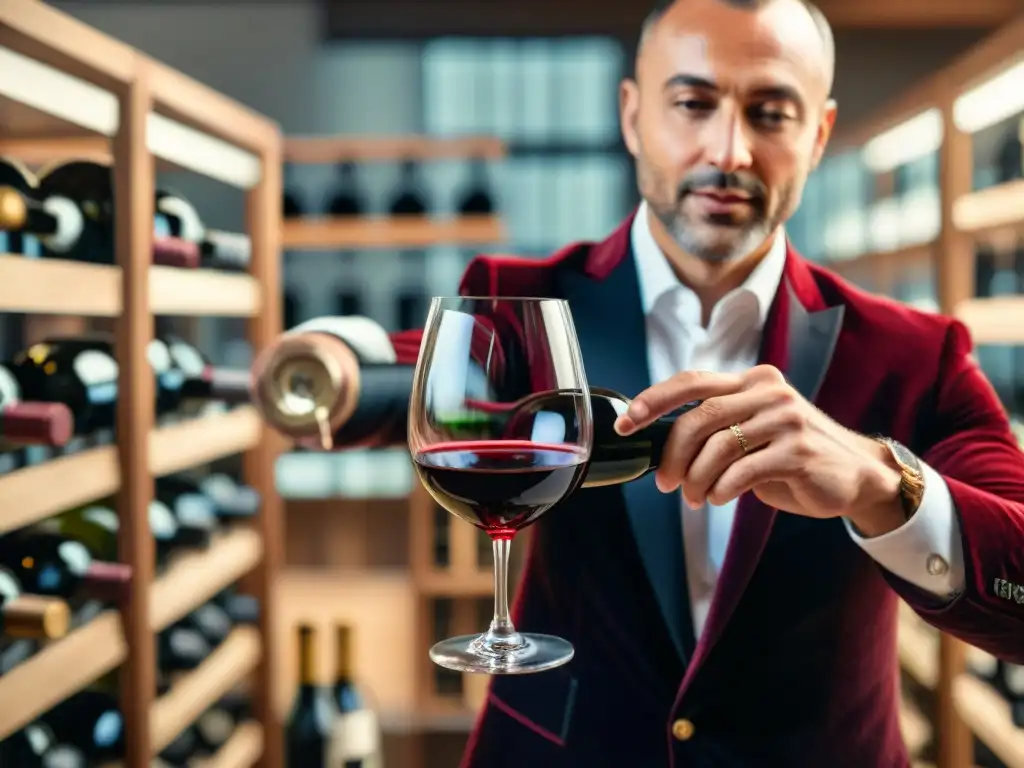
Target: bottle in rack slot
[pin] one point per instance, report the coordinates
(50, 564)
(313, 714)
(27, 616)
(92, 721)
(311, 373)
(292, 204)
(411, 301)
(96, 526)
(30, 423)
(82, 374)
(476, 200)
(35, 746)
(356, 737)
(14, 175)
(71, 212)
(217, 249)
(345, 196)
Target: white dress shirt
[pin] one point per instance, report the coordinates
(926, 551)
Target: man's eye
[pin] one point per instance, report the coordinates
(695, 105)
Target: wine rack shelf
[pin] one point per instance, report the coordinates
(67, 92)
(326, 150)
(412, 232)
(42, 490)
(54, 286)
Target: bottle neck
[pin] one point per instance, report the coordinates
(343, 655)
(307, 657)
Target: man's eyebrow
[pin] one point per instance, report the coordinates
(776, 92)
(690, 81)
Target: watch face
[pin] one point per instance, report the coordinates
(904, 455)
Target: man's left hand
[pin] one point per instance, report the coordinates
(754, 432)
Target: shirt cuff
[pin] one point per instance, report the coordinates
(927, 550)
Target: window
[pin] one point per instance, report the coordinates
(554, 101)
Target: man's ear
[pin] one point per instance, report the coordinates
(825, 126)
(629, 109)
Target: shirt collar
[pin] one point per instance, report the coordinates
(657, 278)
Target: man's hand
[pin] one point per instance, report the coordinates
(791, 455)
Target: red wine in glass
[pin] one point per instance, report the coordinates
(500, 486)
(490, 458)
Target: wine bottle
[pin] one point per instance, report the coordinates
(213, 729)
(312, 717)
(193, 512)
(96, 526)
(210, 620)
(25, 422)
(217, 249)
(476, 201)
(200, 379)
(304, 377)
(16, 176)
(29, 617)
(82, 374)
(35, 746)
(356, 735)
(345, 199)
(411, 302)
(183, 750)
(181, 649)
(92, 721)
(49, 564)
(72, 215)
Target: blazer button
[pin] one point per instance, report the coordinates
(682, 729)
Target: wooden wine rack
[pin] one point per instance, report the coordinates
(996, 216)
(67, 90)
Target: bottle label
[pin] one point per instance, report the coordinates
(367, 339)
(94, 367)
(188, 359)
(103, 517)
(161, 521)
(356, 736)
(8, 387)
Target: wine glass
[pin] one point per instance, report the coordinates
(492, 462)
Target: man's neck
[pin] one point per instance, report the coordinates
(709, 280)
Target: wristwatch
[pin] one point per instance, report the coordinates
(911, 474)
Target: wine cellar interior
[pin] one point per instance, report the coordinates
(923, 201)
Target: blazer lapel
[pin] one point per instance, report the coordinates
(800, 337)
(611, 328)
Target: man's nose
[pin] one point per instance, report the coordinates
(727, 144)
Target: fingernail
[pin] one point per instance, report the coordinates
(623, 425)
(637, 411)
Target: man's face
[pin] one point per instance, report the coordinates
(728, 115)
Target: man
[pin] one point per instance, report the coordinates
(738, 610)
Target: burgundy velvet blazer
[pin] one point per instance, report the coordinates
(797, 665)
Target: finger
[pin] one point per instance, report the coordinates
(724, 448)
(668, 395)
(775, 462)
(694, 429)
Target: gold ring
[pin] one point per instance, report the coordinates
(740, 437)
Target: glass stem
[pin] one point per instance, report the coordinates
(501, 632)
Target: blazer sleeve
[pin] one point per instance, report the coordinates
(973, 448)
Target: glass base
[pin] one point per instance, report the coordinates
(533, 653)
